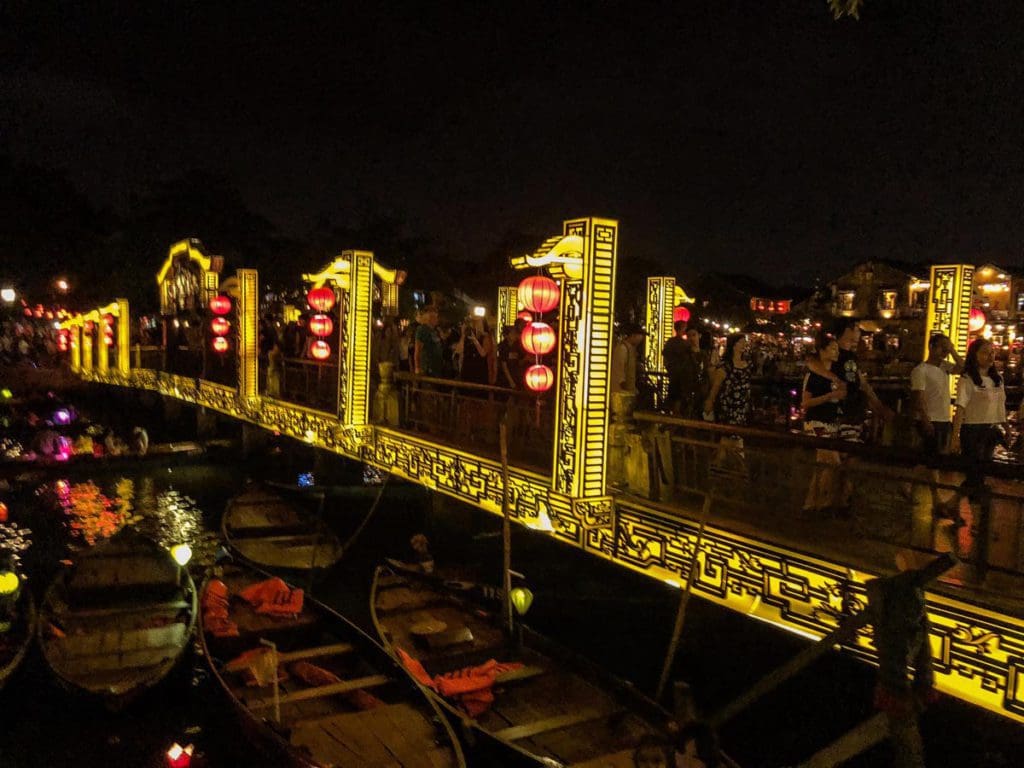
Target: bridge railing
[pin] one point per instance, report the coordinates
(468, 416)
(308, 383)
(866, 501)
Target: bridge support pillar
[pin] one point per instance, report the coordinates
(206, 423)
(248, 335)
(253, 439)
(124, 337)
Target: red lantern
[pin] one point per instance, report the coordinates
(28, 312)
(538, 338)
(539, 293)
(539, 378)
(321, 325)
(3, 512)
(108, 339)
(680, 314)
(220, 344)
(220, 326)
(178, 756)
(220, 304)
(321, 299)
(320, 350)
(88, 326)
(524, 315)
(976, 321)
(108, 319)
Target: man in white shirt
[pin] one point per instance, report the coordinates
(929, 385)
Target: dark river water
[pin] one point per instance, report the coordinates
(618, 618)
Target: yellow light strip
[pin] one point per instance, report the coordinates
(356, 404)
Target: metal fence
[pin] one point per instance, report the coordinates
(309, 383)
(468, 416)
(867, 500)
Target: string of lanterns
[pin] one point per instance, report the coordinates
(108, 330)
(220, 305)
(539, 294)
(321, 325)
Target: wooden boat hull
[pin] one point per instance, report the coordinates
(118, 622)
(267, 531)
(18, 639)
(557, 709)
(321, 725)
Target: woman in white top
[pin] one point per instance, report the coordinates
(980, 404)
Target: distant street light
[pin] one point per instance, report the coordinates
(62, 285)
(8, 295)
(479, 311)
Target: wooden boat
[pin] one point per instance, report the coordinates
(363, 711)
(554, 709)
(117, 622)
(270, 531)
(14, 643)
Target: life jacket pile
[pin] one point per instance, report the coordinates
(273, 598)
(471, 688)
(215, 610)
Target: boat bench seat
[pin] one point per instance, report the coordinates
(114, 572)
(124, 647)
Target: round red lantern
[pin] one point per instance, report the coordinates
(321, 299)
(220, 344)
(220, 304)
(538, 338)
(539, 378)
(320, 350)
(108, 339)
(680, 314)
(3, 512)
(539, 293)
(321, 325)
(976, 321)
(88, 326)
(108, 319)
(524, 315)
(220, 326)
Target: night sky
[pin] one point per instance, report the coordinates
(749, 136)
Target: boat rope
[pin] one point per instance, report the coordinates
(369, 515)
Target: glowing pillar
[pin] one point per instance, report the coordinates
(508, 306)
(389, 298)
(584, 361)
(949, 304)
(124, 337)
(356, 319)
(76, 346)
(87, 339)
(660, 304)
(248, 334)
(102, 352)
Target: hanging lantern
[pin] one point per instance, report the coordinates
(88, 326)
(321, 299)
(976, 321)
(178, 756)
(539, 293)
(220, 304)
(108, 339)
(220, 326)
(3, 512)
(539, 378)
(9, 583)
(108, 319)
(680, 314)
(522, 599)
(220, 344)
(321, 325)
(524, 315)
(28, 312)
(538, 338)
(320, 350)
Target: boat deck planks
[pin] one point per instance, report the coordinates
(546, 708)
(324, 722)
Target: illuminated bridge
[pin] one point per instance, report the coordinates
(629, 488)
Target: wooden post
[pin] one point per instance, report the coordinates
(684, 600)
(277, 690)
(506, 531)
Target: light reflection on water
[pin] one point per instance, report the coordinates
(95, 513)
